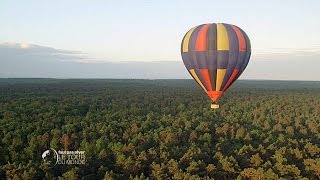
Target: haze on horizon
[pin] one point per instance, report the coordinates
(141, 39)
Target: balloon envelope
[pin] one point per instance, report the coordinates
(215, 55)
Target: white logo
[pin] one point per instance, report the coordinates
(51, 157)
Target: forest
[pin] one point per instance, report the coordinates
(160, 129)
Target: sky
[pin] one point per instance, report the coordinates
(67, 34)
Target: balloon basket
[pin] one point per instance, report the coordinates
(215, 106)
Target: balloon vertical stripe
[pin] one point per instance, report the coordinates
(195, 76)
(222, 37)
(241, 40)
(212, 37)
(185, 46)
(201, 42)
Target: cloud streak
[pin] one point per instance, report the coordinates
(315, 51)
(15, 51)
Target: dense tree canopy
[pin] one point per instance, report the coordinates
(159, 129)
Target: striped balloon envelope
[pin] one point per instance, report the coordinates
(215, 55)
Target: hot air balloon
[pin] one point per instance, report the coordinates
(215, 55)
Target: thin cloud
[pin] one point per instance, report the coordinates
(287, 51)
(23, 50)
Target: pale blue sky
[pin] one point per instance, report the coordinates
(152, 30)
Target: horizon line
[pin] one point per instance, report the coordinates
(148, 79)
